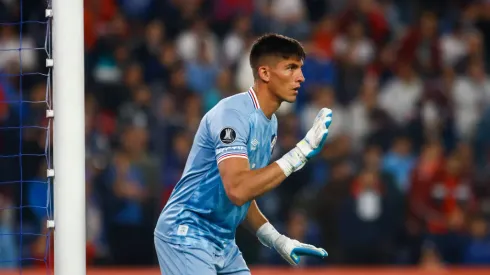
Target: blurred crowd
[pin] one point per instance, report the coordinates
(403, 180)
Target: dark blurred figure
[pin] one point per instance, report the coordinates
(154, 37)
(353, 52)
(428, 165)
(422, 45)
(435, 117)
(477, 251)
(470, 98)
(370, 14)
(399, 162)
(138, 111)
(131, 185)
(369, 124)
(189, 42)
(159, 68)
(323, 36)
(224, 88)
(368, 221)
(177, 88)
(401, 95)
(235, 42)
(474, 45)
(174, 163)
(176, 14)
(225, 12)
(9, 240)
(294, 185)
(325, 207)
(201, 72)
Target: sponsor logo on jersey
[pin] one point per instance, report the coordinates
(254, 143)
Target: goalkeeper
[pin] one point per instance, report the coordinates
(228, 167)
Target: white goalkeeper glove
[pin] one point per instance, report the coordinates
(289, 249)
(309, 146)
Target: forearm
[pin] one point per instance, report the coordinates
(243, 185)
(289, 249)
(250, 184)
(258, 225)
(254, 219)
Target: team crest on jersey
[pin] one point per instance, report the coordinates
(273, 142)
(227, 135)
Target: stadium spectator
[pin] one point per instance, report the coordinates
(371, 211)
(399, 162)
(477, 251)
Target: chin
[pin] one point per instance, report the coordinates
(290, 99)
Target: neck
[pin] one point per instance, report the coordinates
(267, 101)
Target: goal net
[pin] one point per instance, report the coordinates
(25, 135)
(41, 73)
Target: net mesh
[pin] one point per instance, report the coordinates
(25, 135)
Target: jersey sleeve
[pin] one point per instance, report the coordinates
(229, 132)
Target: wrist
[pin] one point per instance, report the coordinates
(292, 161)
(267, 234)
(304, 147)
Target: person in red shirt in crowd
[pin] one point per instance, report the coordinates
(441, 198)
(421, 44)
(97, 15)
(371, 14)
(324, 35)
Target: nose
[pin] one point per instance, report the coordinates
(301, 77)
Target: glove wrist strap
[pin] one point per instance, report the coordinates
(291, 161)
(304, 147)
(267, 234)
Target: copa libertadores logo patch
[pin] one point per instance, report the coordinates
(227, 135)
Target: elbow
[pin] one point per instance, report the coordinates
(236, 196)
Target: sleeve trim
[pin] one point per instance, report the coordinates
(232, 155)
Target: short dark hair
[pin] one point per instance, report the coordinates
(272, 44)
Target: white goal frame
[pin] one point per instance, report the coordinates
(69, 137)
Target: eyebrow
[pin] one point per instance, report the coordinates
(293, 65)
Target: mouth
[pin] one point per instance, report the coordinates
(296, 90)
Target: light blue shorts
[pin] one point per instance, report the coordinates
(179, 259)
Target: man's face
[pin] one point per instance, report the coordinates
(285, 78)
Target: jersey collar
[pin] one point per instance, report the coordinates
(253, 96)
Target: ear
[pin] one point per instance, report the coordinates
(264, 73)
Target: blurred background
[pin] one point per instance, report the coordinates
(403, 180)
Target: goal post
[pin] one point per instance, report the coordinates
(69, 137)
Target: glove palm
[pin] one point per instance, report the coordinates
(291, 250)
(314, 140)
(309, 146)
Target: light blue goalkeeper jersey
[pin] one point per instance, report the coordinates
(199, 211)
